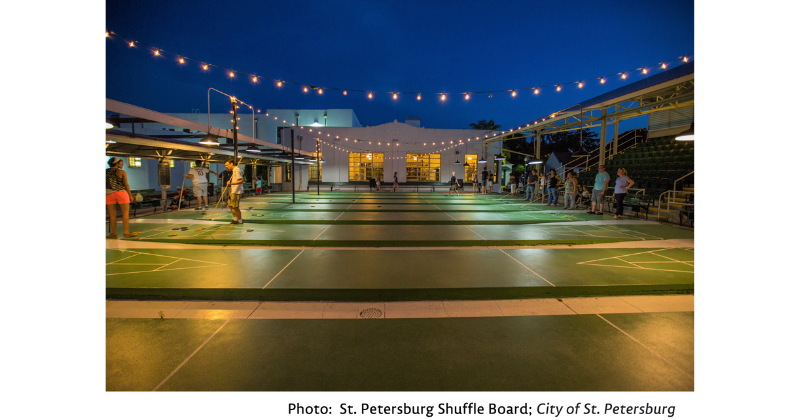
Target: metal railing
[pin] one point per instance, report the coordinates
(675, 184)
(670, 200)
(596, 159)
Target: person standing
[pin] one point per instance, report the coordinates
(623, 183)
(600, 185)
(484, 178)
(570, 188)
(552, 188)
(396, 185)
(118, 192)
(236, 184)
(198, 175)
(453, 184)
(258, 185)
(543, 186)
(475, 181)
(530, 185)
(512, 181)
(489, 182)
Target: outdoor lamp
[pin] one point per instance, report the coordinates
(686, 135)
(210, 140)
(481, 160)
(252, 149)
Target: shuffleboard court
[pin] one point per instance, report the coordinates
(504, 354)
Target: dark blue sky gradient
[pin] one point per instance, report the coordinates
(427, 46)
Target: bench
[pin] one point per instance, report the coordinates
(638, 204)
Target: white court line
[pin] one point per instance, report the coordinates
(164, 265)
(131, 256)
(474, 232)
(641, 268)
(509, 256)
(284, 268)
(620, 256)
(450, 216)
(584, 233)
(190, 356)
(690, 263)
(648, 348)
(151, 271)
(323, 231)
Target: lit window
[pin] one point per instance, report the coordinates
(366, 166)
(172, 163)
(134, 162)
(423, 167)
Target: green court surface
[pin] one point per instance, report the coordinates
(612, 352)
(395, 235)
(394, 274)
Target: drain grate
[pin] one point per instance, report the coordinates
(371, 313)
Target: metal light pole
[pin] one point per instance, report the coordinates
(319, 168)
(299, 137)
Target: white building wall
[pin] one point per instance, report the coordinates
(410, 140)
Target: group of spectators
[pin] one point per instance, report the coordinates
(574, 193)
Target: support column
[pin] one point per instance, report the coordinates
(538, 149)
(616, 134)
(603, 127)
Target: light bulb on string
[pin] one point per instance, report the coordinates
(231, 74)
(602, 80)
(394, 96)
(156, 53)
(280, 83)
(419, 96)
(536, 91)
(513, 93)
(319, 91)
(345, 92)
(370, 95)
(663, 65)
(181, 60)
(131, 44)
(466, 96)
(443, 97)
(580, 85)
(644, 71)
(305, 89)
(205, 66)
(558, 88)
(624, 76)
(255, 80)
(107, 35)
(685, 58)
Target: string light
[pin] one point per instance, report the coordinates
(443, 97)
(319, 91)
(305, 89)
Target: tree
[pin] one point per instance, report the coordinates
(484, 125)
(569, 141)
(518, 143)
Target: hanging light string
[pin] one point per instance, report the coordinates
(205, 65)
(380, 148)
(424, 143)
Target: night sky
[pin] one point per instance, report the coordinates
(409, 46)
